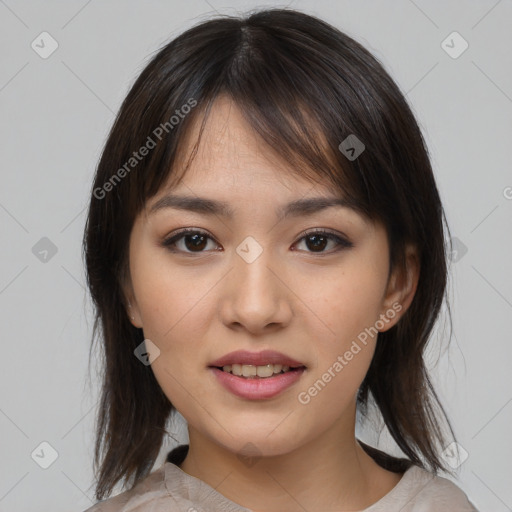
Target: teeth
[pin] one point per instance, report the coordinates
(250, 370)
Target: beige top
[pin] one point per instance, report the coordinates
(170, 489)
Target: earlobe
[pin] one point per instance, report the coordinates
(401, 288)
(130, 311)
(130, 303)
(133, 314)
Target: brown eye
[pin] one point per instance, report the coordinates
(194, 241)
(316, 241)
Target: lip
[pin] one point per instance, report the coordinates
(257, 388)
(256, 358)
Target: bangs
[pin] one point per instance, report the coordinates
(284, 103)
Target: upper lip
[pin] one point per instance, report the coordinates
(256, 358)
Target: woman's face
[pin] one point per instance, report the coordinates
(253, 281)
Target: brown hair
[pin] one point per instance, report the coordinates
(304, 86)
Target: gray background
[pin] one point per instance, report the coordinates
(56, 113)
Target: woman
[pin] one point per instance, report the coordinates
(265, 251)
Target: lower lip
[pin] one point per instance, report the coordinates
(257, 389)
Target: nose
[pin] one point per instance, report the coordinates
(255, 296)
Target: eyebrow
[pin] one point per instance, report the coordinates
(205, 206)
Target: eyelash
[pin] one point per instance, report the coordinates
(170, 242)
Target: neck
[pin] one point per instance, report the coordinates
(332, 472)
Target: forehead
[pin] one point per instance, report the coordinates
(229, 151)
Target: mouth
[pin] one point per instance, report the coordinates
(256, 365)
(257, 375)
(250, 371)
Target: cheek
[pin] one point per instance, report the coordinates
(170, 299)
(344, 303)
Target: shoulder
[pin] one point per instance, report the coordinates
(442, 494)
(168, 489)
(422, 491)
(145, 493)
(418, 490)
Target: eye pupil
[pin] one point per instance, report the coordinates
(316, 244)
(198, 241)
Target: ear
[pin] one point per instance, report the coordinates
(130, 302)
(401, 288)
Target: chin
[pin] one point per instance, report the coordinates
(252, 441)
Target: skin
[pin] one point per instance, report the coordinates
(310, 305)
